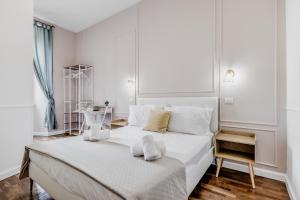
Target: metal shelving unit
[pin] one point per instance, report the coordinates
(78, 96)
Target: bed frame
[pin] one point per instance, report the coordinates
(58, 192)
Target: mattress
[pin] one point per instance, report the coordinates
(189, 149)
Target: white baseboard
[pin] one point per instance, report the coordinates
(9, 173)
(290, 189)
(48, 133)
(259, 172)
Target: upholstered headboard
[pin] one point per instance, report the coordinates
(205, 102)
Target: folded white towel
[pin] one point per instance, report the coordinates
(150, 149)
(136, 149)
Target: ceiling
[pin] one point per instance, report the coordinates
(77, 15)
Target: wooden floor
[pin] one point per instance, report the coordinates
(230, 185)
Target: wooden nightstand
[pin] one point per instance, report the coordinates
(117, 123)
(236, 146)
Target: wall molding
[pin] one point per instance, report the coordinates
(293, 109)
(276, 88)
(17, 106)
(48, 133)
(249, 122)
(215, 64)
(132, 34)
(253, 126)
(276, 79)
(272, 126)
(8, 173)
(290, 189)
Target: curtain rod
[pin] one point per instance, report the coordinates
(42, 23)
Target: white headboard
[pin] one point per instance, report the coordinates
(205, 102)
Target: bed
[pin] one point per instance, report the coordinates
(64, 181)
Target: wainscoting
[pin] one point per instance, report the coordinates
(293, 149)
(266, 136)
(15, 132)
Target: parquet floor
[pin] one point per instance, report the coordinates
(230, 185)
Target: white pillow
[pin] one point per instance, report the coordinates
(192, 120)
(138, 114)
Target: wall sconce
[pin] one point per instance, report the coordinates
(229, 76)
(130, 83)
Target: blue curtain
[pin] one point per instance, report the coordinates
(43, 68)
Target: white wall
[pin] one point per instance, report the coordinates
(180, 48)
(293, 95)
(64, 47)
(110, 46)
(16, 102)
(176, 47)
(252, 46)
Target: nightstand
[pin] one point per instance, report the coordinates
(236, 146)
(117, 123)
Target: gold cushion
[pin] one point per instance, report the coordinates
(158, 121)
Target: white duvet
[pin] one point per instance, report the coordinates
(189, 149)
(184, 147)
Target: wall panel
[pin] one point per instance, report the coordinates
(175, 50)
(124, 71)
(266, 142)
(249, 38)
(110, 46)
(16, 83)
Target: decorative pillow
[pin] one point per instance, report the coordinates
(192, 120)
(138, 114)
(158, 121)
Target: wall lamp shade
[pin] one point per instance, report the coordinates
(130, 83)
(229, 76)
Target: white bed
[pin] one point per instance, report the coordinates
(194, 151)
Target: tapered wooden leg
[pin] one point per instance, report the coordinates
(251, 175)
(219, 166)
(31, 186)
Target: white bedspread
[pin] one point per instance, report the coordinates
(188, 149)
